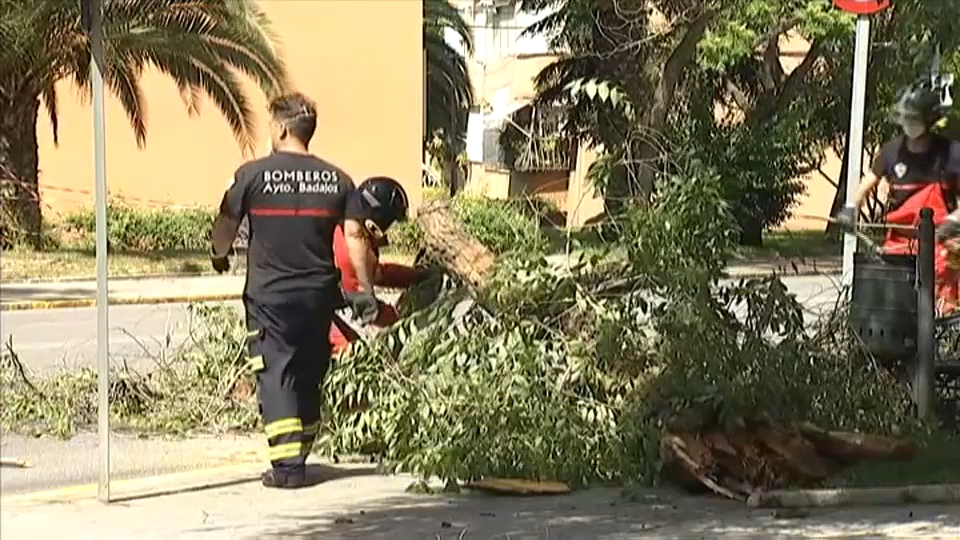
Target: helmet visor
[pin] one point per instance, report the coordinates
(903, 115)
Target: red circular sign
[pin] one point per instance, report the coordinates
(862, 7)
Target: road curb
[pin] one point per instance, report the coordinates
(27, 305)
(822, 498)
(150, 486)
(131, 277)
(117, 301)
(751, 274)
(234, 272)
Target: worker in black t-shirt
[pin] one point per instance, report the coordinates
(914, 160)
(921, 168)
(294, 201)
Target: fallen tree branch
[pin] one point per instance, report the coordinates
(448, 242)
(18, 366)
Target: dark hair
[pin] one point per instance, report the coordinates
(297, 113)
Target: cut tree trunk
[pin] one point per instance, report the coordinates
(745, 457)
(19, 165)
(446, 240)
(751, 233)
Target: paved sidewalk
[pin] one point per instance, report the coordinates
(125, 291)
(214, 288)
(356, 504)
(786, 267)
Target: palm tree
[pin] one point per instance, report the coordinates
(449, 93)
(203, 45)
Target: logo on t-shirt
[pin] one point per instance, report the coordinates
(300, 181)
(900, 169)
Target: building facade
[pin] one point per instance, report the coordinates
(503, 68)
(361, 61)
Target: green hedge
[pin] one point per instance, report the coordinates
(134, 229)
(501, 225)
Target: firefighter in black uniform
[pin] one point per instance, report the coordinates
(921, 169)
(294, 201)
(914, 160)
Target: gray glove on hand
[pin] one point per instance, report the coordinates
(847, 218)
(364, 305)
(949, 229)
(220, 264)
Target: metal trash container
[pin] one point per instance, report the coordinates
(883, 306)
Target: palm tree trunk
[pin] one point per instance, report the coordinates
(20, 219)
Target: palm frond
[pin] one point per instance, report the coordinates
(123, 79)
(49, 96)
(440, 16)
(203, 45)
(449, 91)
(190, 95)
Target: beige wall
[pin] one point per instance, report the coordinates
(814, 205)
(362, 61)
(549, 186)
(484, 182)
(516, 74)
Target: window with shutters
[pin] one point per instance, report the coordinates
(493, 154)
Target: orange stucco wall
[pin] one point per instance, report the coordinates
(361, 60)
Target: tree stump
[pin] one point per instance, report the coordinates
(451, 245)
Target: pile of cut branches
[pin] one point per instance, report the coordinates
(204, 385)
(608, 369)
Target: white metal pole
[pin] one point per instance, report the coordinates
(100, 187)
(855, 155)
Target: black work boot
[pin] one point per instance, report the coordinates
(284, 478)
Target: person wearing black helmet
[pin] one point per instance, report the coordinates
(920, 168)
(382, 202)
(293, 201)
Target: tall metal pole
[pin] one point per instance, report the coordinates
(855, 140)
(94, 14)
(926, 313)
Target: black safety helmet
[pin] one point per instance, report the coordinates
(386, 202)
(919, 103)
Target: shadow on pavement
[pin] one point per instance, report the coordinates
(319, 473)
(604, 514)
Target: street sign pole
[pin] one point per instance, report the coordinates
(855, 140)
(93, 21)
(862, 9)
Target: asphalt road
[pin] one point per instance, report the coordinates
(52, 340)
(48, 341)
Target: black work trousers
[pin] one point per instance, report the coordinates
(289, 348)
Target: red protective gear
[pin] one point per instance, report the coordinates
(384, 275)
(900, 242)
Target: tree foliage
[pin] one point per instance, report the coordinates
(690, 77)
(760, 88)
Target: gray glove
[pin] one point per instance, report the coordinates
(949, 229)
(847, 218)
(365, 306)
(220, 264)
